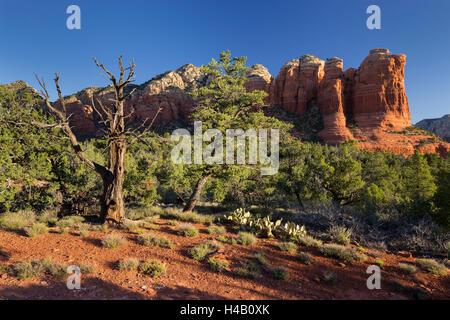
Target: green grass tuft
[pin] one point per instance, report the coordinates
(154, 268)
(113, 241)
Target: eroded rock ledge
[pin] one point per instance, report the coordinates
(368, 104)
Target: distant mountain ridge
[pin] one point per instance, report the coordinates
(439, 126)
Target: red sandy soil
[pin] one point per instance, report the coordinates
(190, 279)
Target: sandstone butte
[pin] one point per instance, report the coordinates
(367, 104)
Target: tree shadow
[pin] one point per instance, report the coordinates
(91, 289)
(183, 293)
(94, 241)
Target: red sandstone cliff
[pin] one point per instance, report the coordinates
(368, 104)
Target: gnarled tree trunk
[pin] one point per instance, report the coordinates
(112, 208)
(195, 196)
(113, 118)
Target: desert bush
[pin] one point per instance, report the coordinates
(99, 227)
(65, 223)
(407, 268)
(217, 230)
(172, 223)
(432, 266)
(152, 219)
(26, 270)
(113, 241)
(16, 220)
(305, 258)
(151, 240)
(154, 268)
(309, 241)
(193, 217)
(217, 265)
(47, 214)
(75, 219)
(187, 230)
(279, 273)
(246, 238)
(248, 269)
(62, 230)
(287, 246)
(130, 225)
(200, 251)
(87, 268)
(58, 270)
(35, 229)
(129, 264)
(260, 256)
(83, 230)
(341, 235)
(341, 253)
(32, 269)
(142, 212)
(153, 227)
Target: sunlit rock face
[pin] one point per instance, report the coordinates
(368, 104)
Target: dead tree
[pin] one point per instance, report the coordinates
(119, 134)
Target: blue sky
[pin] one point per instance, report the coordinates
(163, 35)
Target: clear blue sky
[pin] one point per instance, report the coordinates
(163, 35)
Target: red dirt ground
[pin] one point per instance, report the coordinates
(189, 279)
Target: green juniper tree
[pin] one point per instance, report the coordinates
(224, 103)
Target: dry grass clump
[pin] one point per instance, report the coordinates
(217, 265)
(14, 221)
(248, 269)
(87, 268)
(287, 246)
(113, 241)
(246, 238)
(260, 256)
(309, 241)
(279, 273)
(151, 240)
(130, 225)
(83, 230)
(193, 217)
(407, 268)
(217, 230)
(32, 269)
(142, 212)
(305, 258)
(432, 266)
(341, 235)
(129, 264)
(200, 251)
(187, 230)
(341, 253)
(153, 268)
(35, 229)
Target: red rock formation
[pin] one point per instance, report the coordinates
(368, 104)
(168, 91)
(331, 102)
(297, 84)
(379, 97)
